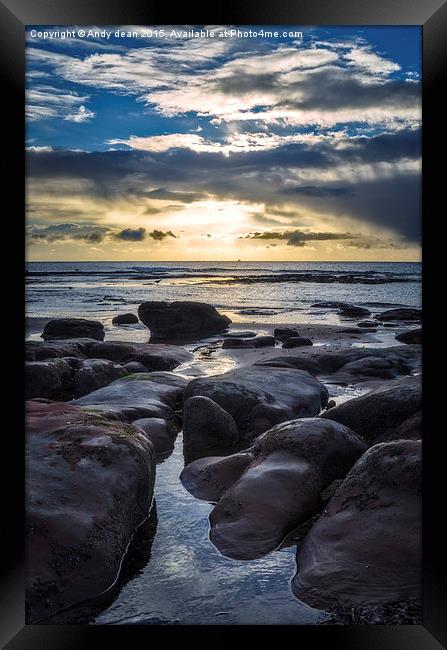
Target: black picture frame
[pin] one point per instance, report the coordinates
(14, 16)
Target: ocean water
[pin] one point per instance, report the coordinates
(183, 578)
(245, 291)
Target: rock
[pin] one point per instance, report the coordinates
(351, 311)
(296, 342)
(331, 404)
(125, 319)
(263, 341)
(43, 350)
(407, 314)
(153, 357)
(257, 399)
(378, 414)
(403, 358)
(135, 397)
(93, 374)
(367, 324)
(158, 431)
(50, 379)
(237, 344)
(239, 334)
(365, 549)
(410, 429)
(412, 336)
(366, 368)
(133, 367)
(207, 426)
(72, 328)
(331, 304)
(283, 333)
(209, 478)
(89, 484)
(181, 320)
(266, 491)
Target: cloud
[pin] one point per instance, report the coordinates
(92, 233)
(64, 231)
(49, 102)
(300, 237)
(131, 234)
(81, 115)
(222, 81)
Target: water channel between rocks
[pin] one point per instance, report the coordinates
(187, 581)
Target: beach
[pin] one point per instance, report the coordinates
(316, 335)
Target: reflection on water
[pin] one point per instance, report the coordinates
(187, 581)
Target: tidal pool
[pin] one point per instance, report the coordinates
(188, 582)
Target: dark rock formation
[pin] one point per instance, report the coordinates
(161, 434)
(296, 342)
(89, 484)
(72, 328)
(284, 333)
(378, 415)
(181, 320)
(257, 399)
(406, 314)
(266, 491)
(411, 337)
(207, 426)
(365, 549)
(125, 319)
(151, 395)
(351, 311)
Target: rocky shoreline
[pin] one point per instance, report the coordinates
(317, 427)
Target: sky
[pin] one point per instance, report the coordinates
(167, 143)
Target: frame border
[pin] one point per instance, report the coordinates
(432, 16)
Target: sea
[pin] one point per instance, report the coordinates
(266, 292)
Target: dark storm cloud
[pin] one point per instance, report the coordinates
(131, 234)
(158, 235)
(163, 194)
(93, 234)
(391, 199)
(300, 237)
(332, 89)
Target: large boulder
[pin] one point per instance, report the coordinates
(161, 433)
(378, 415)
(401, 359)
(68, 377)
(89, 484)
(284, 333)
(92, 374)
(296, 342)
(411, 337)
(207, 426)
(404, 313)
(143, 395)
(257, 400)
(72, 328)
(43, 350)
(365, 549)
(50, 379)
(153, 357)
(266, 491)
(352, 311)
(125, 319)
(181, 320)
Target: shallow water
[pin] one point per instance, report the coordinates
(188, 582)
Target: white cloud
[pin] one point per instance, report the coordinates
(82, 115)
